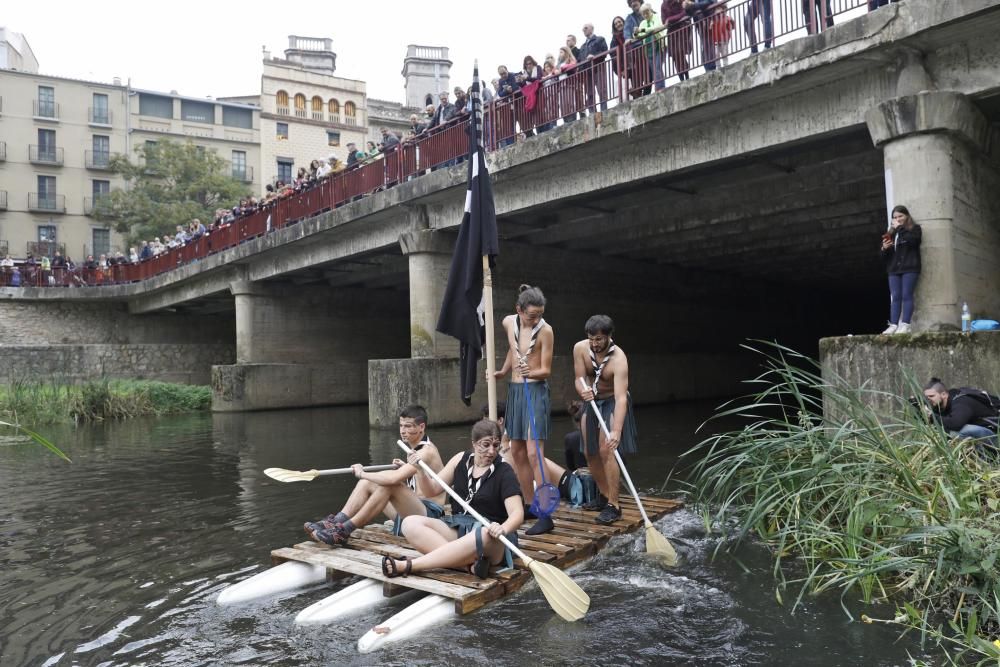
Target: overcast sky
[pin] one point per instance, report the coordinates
(214, 48)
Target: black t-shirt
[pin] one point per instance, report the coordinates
(495, 489)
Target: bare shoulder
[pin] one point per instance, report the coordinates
(581, 346)
(508, 321)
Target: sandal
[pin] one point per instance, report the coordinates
(392, 570)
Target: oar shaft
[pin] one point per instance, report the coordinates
(344, 471)
(621, 464)
(461, 501)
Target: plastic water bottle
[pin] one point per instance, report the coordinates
(966, 318)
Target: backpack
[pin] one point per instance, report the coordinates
(991, 401)
(582, 487)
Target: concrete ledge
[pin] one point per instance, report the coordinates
(249, 387)
(928, 112)
(882, 362)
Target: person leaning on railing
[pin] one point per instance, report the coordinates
(652, 41)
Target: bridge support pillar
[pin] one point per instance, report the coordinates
(305, 345)
(934, 146)
(430, 377)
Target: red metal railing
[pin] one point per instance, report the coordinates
(724, 32)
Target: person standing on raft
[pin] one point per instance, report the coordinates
(604, 367)
(529, 361)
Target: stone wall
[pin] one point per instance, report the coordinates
(74, 341)
(183, 363)
(883, 362)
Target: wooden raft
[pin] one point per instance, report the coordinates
(575, 538)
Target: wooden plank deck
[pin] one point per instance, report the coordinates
(576, 538)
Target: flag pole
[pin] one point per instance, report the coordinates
(491, 361)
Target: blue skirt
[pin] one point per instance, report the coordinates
(431, 509)
(516, 421)
(630, 435)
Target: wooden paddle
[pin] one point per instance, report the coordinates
(283, 475)
(656, 543)
(564, 596)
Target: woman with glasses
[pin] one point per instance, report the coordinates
(459, 541)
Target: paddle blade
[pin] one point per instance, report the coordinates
(658, 545)
(283, 475)
(546, 500)
(563, 594)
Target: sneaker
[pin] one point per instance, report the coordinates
(335, 537)
(597, 504)
(891, 329)
(609, 515)
(903, 328)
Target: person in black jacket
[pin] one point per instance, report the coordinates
(966, 412)
(901, 254)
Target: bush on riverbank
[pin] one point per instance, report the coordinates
(33, 403)
(882, 506)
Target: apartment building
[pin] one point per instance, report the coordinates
(231, 129)
(306, 111)
(57, 136)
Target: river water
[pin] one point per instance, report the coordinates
(116, 559)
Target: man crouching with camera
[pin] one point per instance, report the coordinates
(965, 412)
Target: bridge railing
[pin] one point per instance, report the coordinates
(609, 79)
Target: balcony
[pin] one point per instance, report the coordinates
(45, 248)
(93, 206)
(244, 175)
(50, 155)
(44, 110)
(283, 111)
(300, 113)
(3, 200)
(335, 118)
(46, 203)
(3, 151)
(100, 160)
(99, 117)
(350, 120)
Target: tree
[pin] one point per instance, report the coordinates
(168, 184)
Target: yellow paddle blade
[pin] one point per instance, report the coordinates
(564, 596)
(283, 475)
(658, 545)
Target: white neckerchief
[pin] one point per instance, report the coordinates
(412, 481)
(472, 483)
(531, 342)
(598, 369)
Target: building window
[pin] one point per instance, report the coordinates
(240, 165)
(332, 138)
(47, 233)
(334, 108)
(47, 145)
(237, 117)
(300, 105)
(285, 170)
(46, 102)
(350, 113)
(281, 102)
(156, 105)
(102, 242)
(102, 151)
(429, 100)
(47, 192)
(282, 131)
(100, 189)
(99, 112)
(150, 155)
(197, 112)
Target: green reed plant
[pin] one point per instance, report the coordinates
(49, 402)
(878, 504)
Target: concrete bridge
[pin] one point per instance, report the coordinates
(744, 203)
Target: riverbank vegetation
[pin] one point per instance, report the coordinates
(874, 505)
(34, 403)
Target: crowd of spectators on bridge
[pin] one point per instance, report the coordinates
(644, 49)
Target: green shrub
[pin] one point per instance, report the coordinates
(882, 505)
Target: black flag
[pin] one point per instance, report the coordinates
(462, 312)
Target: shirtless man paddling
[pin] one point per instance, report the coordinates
(604, 366)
